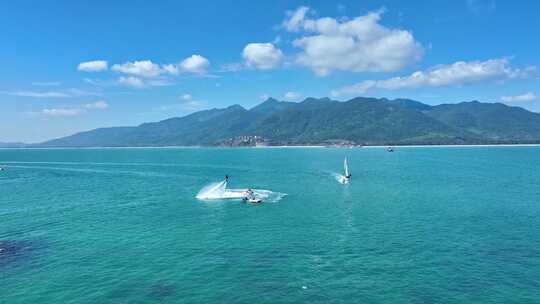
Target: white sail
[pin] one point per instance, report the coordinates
(346, 166)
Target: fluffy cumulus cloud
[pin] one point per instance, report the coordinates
(456, 74)
(143, 68)
(292, 96)
(93, 66)
(262, 56)
(195, 64)
(529, 96)
(360, 44)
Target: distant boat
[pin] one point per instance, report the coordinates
(390, 149)
(344, 179)
(1, 169)
(250, 197)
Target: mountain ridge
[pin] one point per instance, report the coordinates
(315, 121)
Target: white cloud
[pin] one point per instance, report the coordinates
(186, 97)
(262, 55)
(456, 74)
(195, 64)
(358, 45)
(294, 19)
(131, 81)
(49, 94)
(171, 69)
(75, 111)
(52, 94)
(143, 68)
(529, 96)
(264, 97)
(97, 105)
(292, 96)
(93, 66)
(62, 112)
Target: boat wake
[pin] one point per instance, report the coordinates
(219, 191)
(340, 178)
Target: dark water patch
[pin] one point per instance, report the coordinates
(154, 292)
(161, 291)
(13, 251)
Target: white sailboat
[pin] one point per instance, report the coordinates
(344, 179)
(346, 167)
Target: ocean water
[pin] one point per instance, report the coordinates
(420, 225)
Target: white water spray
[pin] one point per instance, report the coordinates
(219, 191)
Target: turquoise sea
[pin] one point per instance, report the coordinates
(420, 225)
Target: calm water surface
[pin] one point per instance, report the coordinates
(420, 225)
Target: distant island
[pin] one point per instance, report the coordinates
(325, 122)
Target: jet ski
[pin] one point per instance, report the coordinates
(251, 198)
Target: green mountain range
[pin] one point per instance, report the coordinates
(363, 121)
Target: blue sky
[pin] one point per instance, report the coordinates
(69, 66)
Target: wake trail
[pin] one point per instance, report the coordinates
(219, 191)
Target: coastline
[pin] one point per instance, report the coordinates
(456, 146)
(279, 147)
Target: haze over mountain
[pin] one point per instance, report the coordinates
(366, 121)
